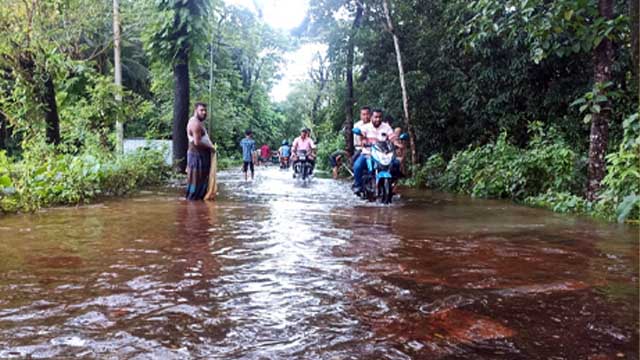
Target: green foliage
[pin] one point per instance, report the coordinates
(545, 174)
(562, 202)
(593, 101)
(46, 177)
(559, 28)
(89, 109)
(325, 148)
(225, 163)
(430, 174)
(620, 197)
(502, 170)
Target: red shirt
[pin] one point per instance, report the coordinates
(264, 151)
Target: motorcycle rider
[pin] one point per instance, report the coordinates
(284, 152)
(365, 118)
(304, 142)
(372, 132)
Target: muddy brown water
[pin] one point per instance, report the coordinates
(275, 270)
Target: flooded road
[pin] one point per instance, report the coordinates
(278, 271)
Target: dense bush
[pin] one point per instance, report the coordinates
(620, 197)
(547, 173)
(503, 170)
(45, 177)
(429, 174)
(325, 148)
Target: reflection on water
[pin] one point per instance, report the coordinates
(278, 270)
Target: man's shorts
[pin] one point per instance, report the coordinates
(247, 164)
(332, 161)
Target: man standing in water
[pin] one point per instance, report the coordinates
(248, 147)
(198, 154)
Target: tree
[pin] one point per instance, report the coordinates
(320, 76)
(117, 70)
(403, 86)
(347, 126)
(591, 28)
(599, 137)
(178, 25)
(26, 52)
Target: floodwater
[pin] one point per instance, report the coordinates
(274, 270)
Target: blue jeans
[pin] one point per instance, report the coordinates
(359, 167)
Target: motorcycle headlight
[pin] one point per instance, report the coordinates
(385, 159)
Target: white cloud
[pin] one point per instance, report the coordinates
(297, 68)
(280, 14)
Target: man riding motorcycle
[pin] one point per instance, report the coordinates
(372, 132)
(304, 143)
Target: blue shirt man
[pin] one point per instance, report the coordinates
(248, 147)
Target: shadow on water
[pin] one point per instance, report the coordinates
(278, 270)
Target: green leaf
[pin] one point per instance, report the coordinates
(578, 101)
(576, 48)
(626, 206)
(587, 118)
(568, 14)
(5, 181)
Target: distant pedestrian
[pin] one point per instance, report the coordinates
(265, 154)
(248, 147)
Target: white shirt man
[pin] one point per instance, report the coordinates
(365, 118)
(376, 131)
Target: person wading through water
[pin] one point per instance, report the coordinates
(198, 154)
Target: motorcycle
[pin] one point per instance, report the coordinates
(284, 162)
(302, 166)
(377, 179)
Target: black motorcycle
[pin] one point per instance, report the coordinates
(302, 166)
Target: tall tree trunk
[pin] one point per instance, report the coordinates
(3, 131)
(634, 10)
(603, 59)
(44, 94)
(347, 126)
(403, 86)
(319, 77)
(181, 108)
(117, 69)
(212, 65)
(210, 102)
(51, 117)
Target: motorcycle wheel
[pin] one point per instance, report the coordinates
(370, 189)
(386, 191)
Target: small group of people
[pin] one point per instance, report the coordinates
(285, 153)
(374, 127)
